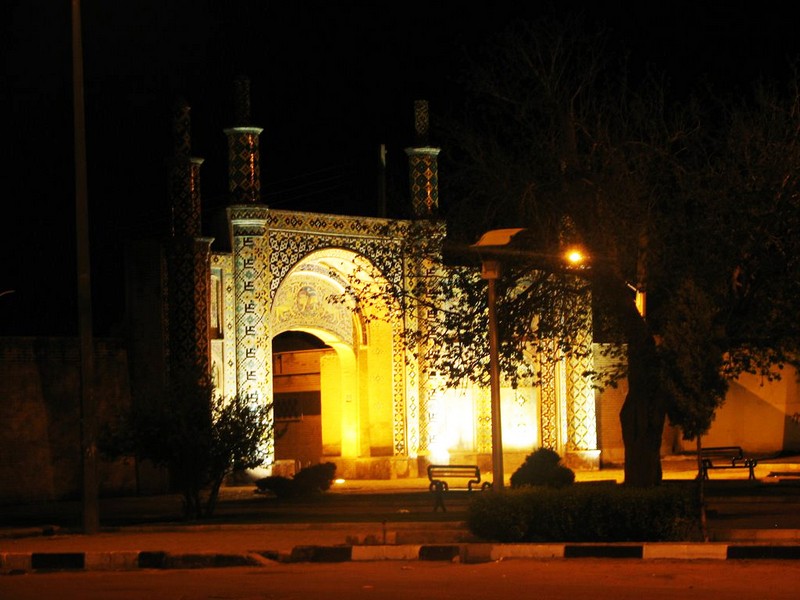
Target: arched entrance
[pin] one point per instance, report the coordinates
(331, 294)
(296, 397)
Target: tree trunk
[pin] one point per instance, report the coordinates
(701, 490)
(644, 412)
(213, 495)
(642, 422)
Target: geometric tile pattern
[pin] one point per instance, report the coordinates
(184, 177)
(292, 236)
(421, 267)
(244, 179)
(581, 409)
(425, 394)
(417, 377)
(188, 280)
(423, 172)
(251, 301)
(422, 120)
(188, 275)
(424, 181)
(223, 264)
(549, 402)
(186, 219)
(400, 422)
(424, 190)
(483, 423)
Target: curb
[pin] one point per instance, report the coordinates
(12, 563)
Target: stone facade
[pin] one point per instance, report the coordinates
(381, 410)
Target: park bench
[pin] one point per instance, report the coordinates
(438, 474)
(726, 457)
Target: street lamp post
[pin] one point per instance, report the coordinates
(493, 245)
(490, 271)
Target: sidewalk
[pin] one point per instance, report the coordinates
(374, 520)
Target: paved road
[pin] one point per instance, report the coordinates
(598, 579)
(378, 513)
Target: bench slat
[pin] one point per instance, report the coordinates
(436, 474)
(734, 454)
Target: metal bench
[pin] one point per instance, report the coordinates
(437, 474)
(726, 457)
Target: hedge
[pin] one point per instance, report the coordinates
(584, 513)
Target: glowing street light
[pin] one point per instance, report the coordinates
(575, 257)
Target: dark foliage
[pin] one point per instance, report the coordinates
(199, 438)
(584, 513)
(542, 467)
(309, 481)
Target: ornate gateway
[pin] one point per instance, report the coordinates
(361, 398)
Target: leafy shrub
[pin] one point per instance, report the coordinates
(542, 467)
(499, 516)
(282, 487)
(583, 513)
(306, 482)
(316, 478)
(199, 437)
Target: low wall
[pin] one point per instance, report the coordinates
(758, 415)
(40, 416)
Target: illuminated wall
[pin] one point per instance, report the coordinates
(377, 401)
(376, 374)
(251, 313)
(380, 401)
(774, 406)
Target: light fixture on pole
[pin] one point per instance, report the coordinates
(490, 271)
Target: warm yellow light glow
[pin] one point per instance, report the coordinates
(452, 422)
(339, 481)
(439, 454)
(520, 418)
(575, 257)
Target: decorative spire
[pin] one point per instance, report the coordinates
(184, 176)
(244, 176)
(423, 167)
(421, 122)
(241, 101)
(182, 128)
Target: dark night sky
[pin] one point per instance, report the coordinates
(331, 80)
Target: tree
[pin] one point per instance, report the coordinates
(734, 285)
(238, 433)
(553, 132)
(199, 437)
(695, 202)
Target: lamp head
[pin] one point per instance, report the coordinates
(575, 257)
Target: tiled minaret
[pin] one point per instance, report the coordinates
(188, 276)
(423, 167)
(248, 222)
(424, 191)
(244, 171)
